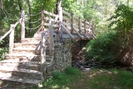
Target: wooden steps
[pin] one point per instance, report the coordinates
(19, 71)
(23, 65)
(21, 80)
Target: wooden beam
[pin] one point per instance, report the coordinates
(85, 26)
(22, 25)
(9, 31)
(66, 13)
(11, 40)
(60, 14)
(79, 23)
(68, 32)
(71, 23)
(78, 33)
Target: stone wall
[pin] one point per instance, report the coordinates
(62, 55)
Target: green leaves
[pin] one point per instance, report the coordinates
(122, 22)
(101, 49)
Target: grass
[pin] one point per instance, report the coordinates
(95, 79)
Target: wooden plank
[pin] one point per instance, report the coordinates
(67, 24)
(85, 35)
(75, 17)
(85, 26)
(75, 22)
(67, 31)
(75, 26)
(66, 19)
(87, 22)
(49, 13)
(60, 14)
(66, 13)
(79, 23)
(71, 23)
(46, 24)
(11, 40)
(48, 18)
(23, 25)
(78, 33)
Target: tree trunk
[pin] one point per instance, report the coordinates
(29, 8)
(20, 5)
(56, 9)
(58, 4)
(1, 4)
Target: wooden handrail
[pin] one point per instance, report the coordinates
(81, 24)
(7, 33)
(22, 25)
(67, 31)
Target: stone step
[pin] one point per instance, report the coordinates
(26, 57)
(24, 50)
(20, 57)
(24, 65)
(20, 73)
(21, 80)
(28, 40)
(25, 45)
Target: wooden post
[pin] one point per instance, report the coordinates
(51, 45)
(60, 13)
(11, 40)
(71, 23)
(42, 23)
(23, 25)
(85, 26)
(79, 23)
(43, 57)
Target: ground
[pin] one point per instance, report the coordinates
(92, 79)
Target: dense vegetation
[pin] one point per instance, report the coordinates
(114, 44)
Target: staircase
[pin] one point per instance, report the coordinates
(23, 65)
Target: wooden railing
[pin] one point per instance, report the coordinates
(11, 35)
(76, 25)
(42, 45)
(11, 32)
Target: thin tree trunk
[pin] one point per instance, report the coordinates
(127, 2)
(1, 4)
(29, 8)
(20, 5)
(56, 9)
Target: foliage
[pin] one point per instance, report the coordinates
(122, 22)
(3, 50)
(102, 48)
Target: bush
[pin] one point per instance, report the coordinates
(3, 50)
(103, 48)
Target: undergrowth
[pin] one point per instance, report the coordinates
(93, 79)
(3, 50)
